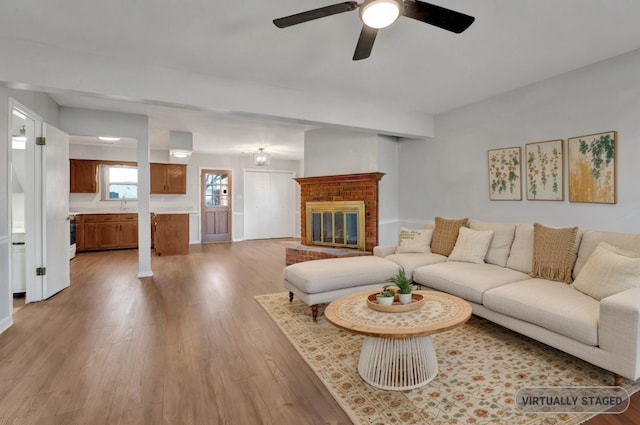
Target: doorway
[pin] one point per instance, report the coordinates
(269, 204)
(215, 204)
(39, 206)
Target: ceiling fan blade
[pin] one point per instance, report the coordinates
(365, 43)
(310, 15)
(447, 19)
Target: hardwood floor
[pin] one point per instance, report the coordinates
(188, 346)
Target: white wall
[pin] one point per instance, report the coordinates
(447, 175)
(329, 152)
(339, 151)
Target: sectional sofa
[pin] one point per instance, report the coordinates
(577, 291)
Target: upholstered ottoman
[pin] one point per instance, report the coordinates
(322, 281)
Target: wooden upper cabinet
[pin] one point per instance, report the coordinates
(83, 176)
(168, 178)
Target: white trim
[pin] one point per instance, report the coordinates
(34, 222)
(6, 323)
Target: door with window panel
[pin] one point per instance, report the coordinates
(216, 205)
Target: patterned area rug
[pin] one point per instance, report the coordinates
(482, 365)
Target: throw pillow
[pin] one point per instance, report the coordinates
(503, 234)
(521, 253)
(445, 235)
(608, 270)
(471, 245)
(412, 240)
(554, 252)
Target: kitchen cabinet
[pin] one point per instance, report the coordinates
(168, 178)
(106, 231)
(171, 234)
(83, 176)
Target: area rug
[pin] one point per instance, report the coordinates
(482, 366)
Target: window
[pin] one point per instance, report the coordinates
(216, 192)
(120, 182)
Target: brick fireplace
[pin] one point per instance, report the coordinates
(347, 187)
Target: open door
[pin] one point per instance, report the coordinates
(55, 211)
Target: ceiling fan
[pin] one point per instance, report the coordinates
(376, 14)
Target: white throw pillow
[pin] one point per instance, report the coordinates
(471, 245)
(414, 241)
(498, 252)
(608, 270)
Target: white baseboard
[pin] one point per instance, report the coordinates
(5, 324)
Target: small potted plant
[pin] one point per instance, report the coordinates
(404, 286)
(386, 296)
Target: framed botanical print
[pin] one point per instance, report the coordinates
(592, 168)
(544, 162)
(504, 174)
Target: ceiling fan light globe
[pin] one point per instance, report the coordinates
(380, 13)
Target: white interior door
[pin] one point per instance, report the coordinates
(55, 200)
(269, 204)
(282, 205)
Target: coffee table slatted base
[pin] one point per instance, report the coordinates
(398, 363)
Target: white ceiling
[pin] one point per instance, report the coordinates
(413, 66)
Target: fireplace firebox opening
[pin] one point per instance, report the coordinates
(337, 224)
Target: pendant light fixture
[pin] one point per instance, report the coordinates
(261, 158)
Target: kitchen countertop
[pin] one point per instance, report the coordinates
(131, 212)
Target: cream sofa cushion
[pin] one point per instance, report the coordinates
(471, 245)
(414, 240)
(503, 235)
(336, 273)
(521, 253)
(591, 239)
(409, 262)
(465, 280)
(608, 271)
(553, 305)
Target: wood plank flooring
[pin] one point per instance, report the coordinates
(188, 346)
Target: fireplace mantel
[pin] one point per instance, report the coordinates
(345, 187)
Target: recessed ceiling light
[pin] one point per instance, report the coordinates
(108, 139)
(180, 154)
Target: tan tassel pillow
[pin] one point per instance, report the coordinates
(554, 252)
(445, 234)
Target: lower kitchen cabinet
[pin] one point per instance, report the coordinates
(171, 234)
(107, 231)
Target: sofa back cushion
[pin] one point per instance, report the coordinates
(591, 239)
(521, 252)
(503, 235)
(608, 270)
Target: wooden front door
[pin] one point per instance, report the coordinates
(216, 205)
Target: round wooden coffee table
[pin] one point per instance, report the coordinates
(397, 352)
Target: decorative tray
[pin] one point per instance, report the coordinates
(417, 300)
